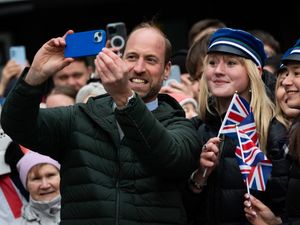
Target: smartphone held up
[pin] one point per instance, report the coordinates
(87, 43)
(18, 54)
(117, 35)
(175, 75)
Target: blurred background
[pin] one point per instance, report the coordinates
(33, 22)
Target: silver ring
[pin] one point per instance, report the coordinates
(204, 147)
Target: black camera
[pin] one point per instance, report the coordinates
(117, 34)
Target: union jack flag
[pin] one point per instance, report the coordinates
(248, 127)
(239, 124)
(259, 174)
(252, 154)
(254, 165)
(237, 111)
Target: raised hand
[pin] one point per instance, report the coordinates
(10, 70)
(114, 74)
(48, 60)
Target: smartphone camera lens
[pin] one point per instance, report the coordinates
(117, 41)
(98, 37)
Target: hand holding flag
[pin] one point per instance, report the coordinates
(237, 111)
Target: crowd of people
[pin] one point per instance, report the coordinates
(103, 141)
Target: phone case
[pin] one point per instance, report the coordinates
(87, 43)
(117, 34)
(18, 54)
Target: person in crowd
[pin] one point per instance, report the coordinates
(75, 75)
(271, 45)
(269, 80)
(189, 84)
(60, 96)
(91, 89)
(194, 62)
(256, 211)
(233, 64)
(188, 103)
(39, 175)
(284, 113)
(272, 49)
(12, 193)
(115, 171)
(179, 58)
(273, 63)
(10, 72)
(11, 190)
(202, 27)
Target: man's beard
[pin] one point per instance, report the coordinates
(151, 94)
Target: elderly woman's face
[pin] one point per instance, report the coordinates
(43, 182)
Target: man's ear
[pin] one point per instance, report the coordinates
(167, 71)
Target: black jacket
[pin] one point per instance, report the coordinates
(293, 196)
(105, 180)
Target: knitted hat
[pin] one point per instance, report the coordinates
(31, 159)
(91, 89)
(292, 54)
(182, 99)
(238, 42)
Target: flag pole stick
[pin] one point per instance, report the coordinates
(242, 152)
(227, 113)
(223, 124)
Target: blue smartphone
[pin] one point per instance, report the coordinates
(87, 43)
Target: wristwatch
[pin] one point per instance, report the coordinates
(128, 99)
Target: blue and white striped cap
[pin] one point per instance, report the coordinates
(282, 64)
(238, 42)
(292, 54)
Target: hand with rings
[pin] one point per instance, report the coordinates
(209, 157)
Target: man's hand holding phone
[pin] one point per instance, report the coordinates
(114, 74)
(48, 60)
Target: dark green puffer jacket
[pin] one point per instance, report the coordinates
(105, 180)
